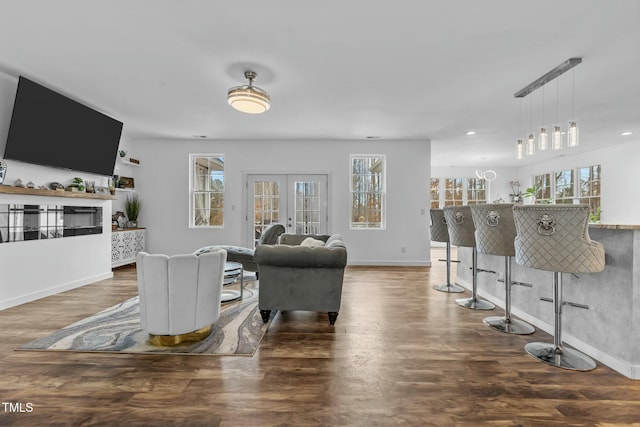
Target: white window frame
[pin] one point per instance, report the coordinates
(474, 191)
(192, 191)
(590, 197)
(382, 193)
(575, 185)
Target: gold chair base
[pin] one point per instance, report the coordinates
(171, 340)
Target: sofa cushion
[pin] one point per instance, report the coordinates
(335, 241)
(311, 242)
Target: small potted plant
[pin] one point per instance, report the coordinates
(532, 193)
(77, 185)
(122, 153)
(594, 216)
(132, 208)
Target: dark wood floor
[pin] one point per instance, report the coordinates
(399, 354)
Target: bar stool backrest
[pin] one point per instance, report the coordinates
(495, 228)
(556, 238)
(439, 232)
(460, 226)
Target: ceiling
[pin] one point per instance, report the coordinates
(336, 69)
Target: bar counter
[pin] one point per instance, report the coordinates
(609, 331)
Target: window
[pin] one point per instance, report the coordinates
(543, 184)
(435, 193)
(476, 193)
(589, 187)
(207, 190)
(564, 187)
(368, 191)
(581, 185)
(453, 192)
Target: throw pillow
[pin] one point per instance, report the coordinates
(311, 242)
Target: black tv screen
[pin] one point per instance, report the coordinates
(50, 129)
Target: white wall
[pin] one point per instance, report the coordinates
(163, 182)
(34, 269)
(620, 165)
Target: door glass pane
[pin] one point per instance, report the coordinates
(266, 205)
(306, 208)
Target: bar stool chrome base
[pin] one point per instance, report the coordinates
(560, 357)
(509, 326)
(448, 287)
(475, 303)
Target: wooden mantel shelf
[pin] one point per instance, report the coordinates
(8, 189)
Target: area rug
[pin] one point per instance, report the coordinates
(117, 329)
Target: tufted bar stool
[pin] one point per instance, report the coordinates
(440, 233)
(495, 235)
(556, 238)
(461, 233)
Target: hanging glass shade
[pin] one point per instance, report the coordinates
(519, 149)
(572, 135)
(556, 138)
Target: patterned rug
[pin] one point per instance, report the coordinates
(238, 331)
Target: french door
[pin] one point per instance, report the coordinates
(299, 202)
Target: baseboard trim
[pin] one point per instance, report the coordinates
(625, 368)
(22, 299)
(390, 263)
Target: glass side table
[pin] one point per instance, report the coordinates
(233, 272)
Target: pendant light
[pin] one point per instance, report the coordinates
(556, 136)
(572, 133)
(530, 148)
(519, 142)
(519, 149)
(543, 140)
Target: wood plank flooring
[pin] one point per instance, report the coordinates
(399, 354)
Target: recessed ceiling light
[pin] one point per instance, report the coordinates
(373, 137)
(626, 133)
(200, 136)
(471, 132)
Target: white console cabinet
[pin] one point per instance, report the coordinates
(125, 245)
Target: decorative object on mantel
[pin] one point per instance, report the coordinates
(56, 186)
(77, 185)
(30, 184)
(132, 206)
(3, 170)
(90, 186)
(18, 183)
(556, 136)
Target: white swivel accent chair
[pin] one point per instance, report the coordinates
(179, 295)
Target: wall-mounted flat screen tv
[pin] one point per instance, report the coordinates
(50, 129)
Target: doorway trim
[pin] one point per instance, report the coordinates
(245, 195)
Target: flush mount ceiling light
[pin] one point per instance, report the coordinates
(249, 98)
